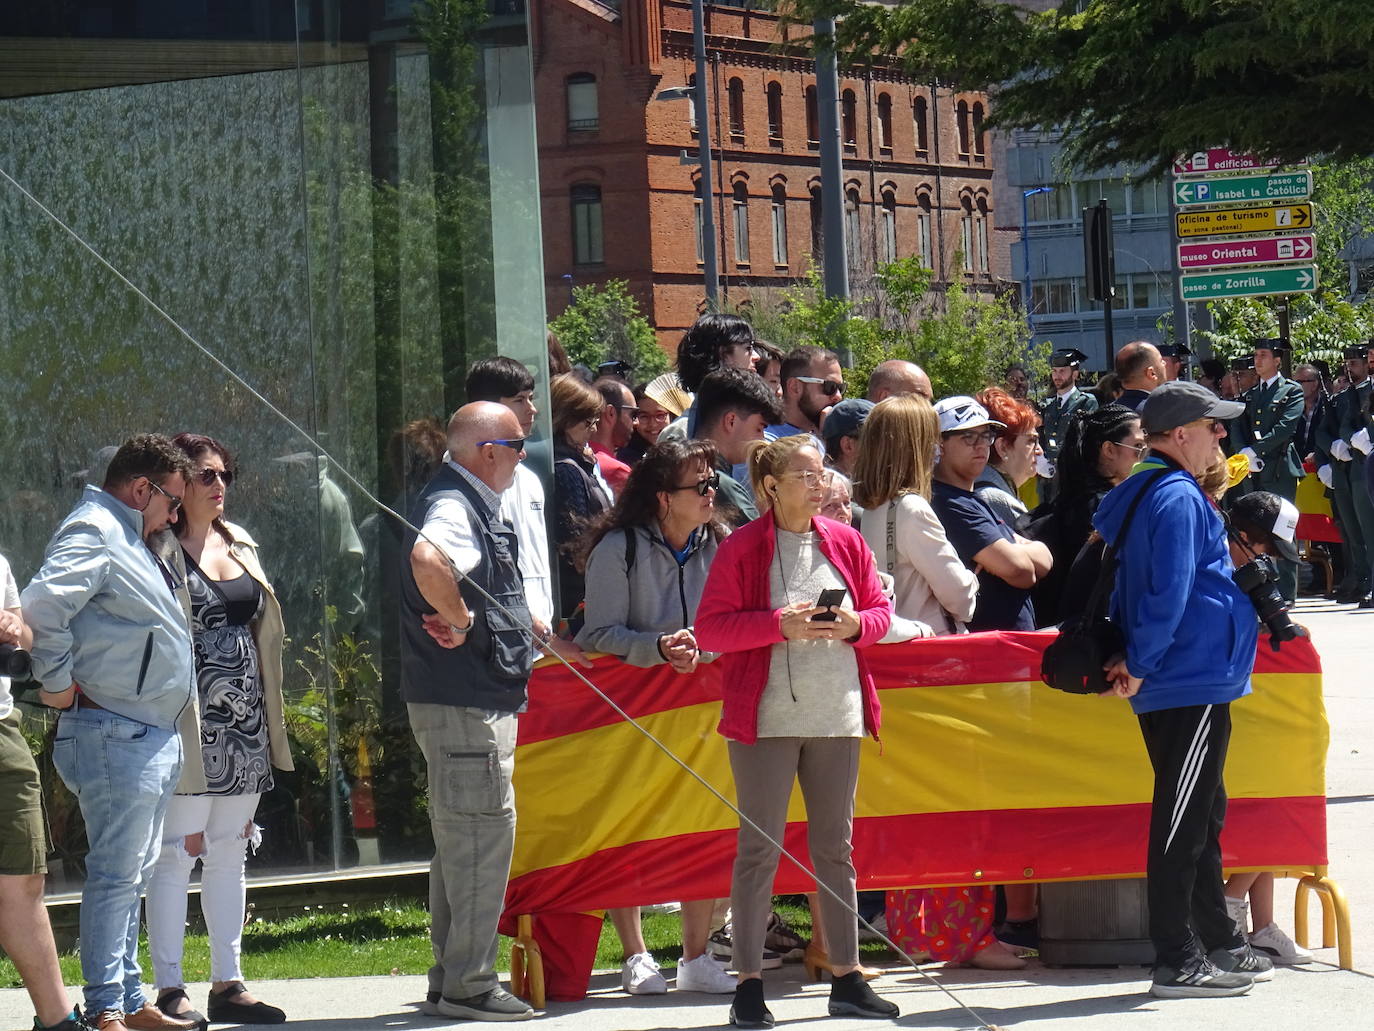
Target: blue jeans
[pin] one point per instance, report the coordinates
(122, 772)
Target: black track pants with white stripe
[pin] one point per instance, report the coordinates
(1187, 748)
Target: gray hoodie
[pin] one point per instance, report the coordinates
(104, 616)
(629, 607)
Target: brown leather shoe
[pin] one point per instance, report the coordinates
(150, 1018)
(109, 1020)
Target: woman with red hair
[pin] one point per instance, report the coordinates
(1012, 459)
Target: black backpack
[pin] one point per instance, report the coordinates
(1074, 660)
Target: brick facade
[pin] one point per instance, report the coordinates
(636, 48)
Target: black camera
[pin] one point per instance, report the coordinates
(1259, 579)
(15, 662)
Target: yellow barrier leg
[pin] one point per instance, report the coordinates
(1300, 903)
(526, 964)
(1335, 917)
(1328, 920)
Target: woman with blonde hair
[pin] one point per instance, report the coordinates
(791, 602)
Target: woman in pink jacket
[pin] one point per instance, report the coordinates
(798, 698)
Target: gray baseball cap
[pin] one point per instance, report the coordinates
(846, 418)
(1180, 402)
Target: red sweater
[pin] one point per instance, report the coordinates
(736, 616)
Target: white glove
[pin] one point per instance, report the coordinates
(1324, 475)
(1340, 450)
(1044, 467)
(1361, 442)
(1256, 462)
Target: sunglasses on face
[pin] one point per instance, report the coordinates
(828, 386)
(634, 412)
(702, 487)
(207, 476)
(514, 443)
(173, 502)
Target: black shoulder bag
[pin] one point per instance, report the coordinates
(1073, 662)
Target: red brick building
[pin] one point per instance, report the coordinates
(618, 201)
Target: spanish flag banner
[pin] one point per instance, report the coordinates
(1314, 512)
(983, 774)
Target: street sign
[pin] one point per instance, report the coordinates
(1220, 159)
(1234, 221)
(1238, 189)
(1268, 250)
(1208, 286)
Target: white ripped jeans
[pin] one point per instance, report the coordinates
(226, 823)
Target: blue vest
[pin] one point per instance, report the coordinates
(493, 665)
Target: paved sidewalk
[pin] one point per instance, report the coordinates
(1313, 998)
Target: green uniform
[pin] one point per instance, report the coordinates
(1273, 415)
(1055, 415)
(1353, 511)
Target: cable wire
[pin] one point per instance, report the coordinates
(459, 576)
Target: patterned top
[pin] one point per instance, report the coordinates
(233, 725)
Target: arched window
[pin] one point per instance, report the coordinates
(586, 224)
(884, 121)
(582, 108)
(740, 203)
(774, 93)
(920, 117)
(849, 119)
(779, 212)
(735, 92)
(962, 120)
(888, 239)
(692, 103)
(817, 225)
(980, 233)
(851, 221)
(978, 142)
(966, 232)
(924, 243)
(813, 122)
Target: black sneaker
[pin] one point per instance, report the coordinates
(1243, 959)
(850, 996)
(1198, 979)
(1019, 934)
(748, 1009)
(497, 1004)
(71, 1022)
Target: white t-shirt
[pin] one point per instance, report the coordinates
(9, 598)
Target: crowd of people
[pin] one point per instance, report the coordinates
(742, 510)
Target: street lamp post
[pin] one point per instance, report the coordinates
(1026, 195)
(698, 96)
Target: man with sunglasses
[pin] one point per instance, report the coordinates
(812, 383)
(112, 648)
(1175, 599)
(613, 430)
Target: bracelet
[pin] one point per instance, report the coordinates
(460, 630)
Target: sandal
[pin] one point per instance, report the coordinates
(223, 1010)
(169, 996)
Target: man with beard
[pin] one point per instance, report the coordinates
(811, 383)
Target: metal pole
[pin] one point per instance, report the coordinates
(708, 193)
(836, 273)
(1025, 261)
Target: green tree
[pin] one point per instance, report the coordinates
(1136, 83)
(603, 323)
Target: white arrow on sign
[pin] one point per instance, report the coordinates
(1304, 279)
(1301, 247)
(1185, 192)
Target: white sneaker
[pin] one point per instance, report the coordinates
(639, 976)
(879, 923)
(1271, 941)
(1238, 910)
(703, 974)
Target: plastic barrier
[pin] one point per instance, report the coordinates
(983, 774)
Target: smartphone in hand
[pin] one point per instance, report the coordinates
(833, 596)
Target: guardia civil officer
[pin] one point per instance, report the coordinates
(1058, 410)
(1273, 415)
(1175, 361)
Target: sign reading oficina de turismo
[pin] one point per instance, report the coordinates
(1217, 202)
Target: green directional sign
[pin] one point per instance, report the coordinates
(1241, 189)
(1209, 286)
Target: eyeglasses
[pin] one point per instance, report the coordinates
(173, 502)
(812, 479)
(1139, 449)
(634, 412)
(208, 476)
(593, 422)
(514, 443)
(975, 438)
(828, 386)
(711, 482)
(660, 416)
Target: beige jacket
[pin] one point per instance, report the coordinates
(931, 578)
(269, 635)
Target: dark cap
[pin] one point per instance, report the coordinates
(1174, 351)
(1180, 402)
(1360, 351)
(1067, 358)
(1276, 344)
(846, 418)
(1242, 362)
(1269, 519)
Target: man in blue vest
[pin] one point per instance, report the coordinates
(463, 695)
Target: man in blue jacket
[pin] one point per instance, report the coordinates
(112, 648)
(1175, 600)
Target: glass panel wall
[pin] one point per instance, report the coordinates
(339, 199)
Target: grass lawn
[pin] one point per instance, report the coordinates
(385, 938)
